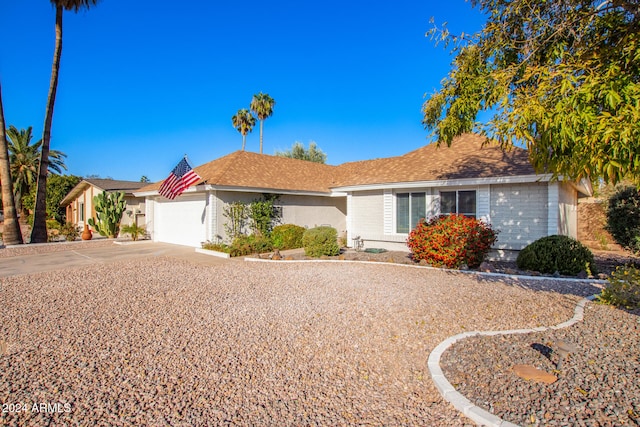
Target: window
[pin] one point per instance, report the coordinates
(458, 202)
(81, 211)
(410, 208)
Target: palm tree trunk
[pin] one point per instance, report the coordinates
(244, 141)
(261, 123)
(39, 232)
(11, 234)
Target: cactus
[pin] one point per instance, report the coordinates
(109, 208)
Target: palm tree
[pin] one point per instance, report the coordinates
(24, 159)
(262, 106)
(11, 234)
(39, 232)
(244, 122)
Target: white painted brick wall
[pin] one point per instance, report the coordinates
(519, 212)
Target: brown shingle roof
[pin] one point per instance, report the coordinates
(253, 170)
(466, 158)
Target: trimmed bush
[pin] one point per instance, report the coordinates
(451, 240)
(623, 289)
(556, 253)
(247, 245)
(287, 236)
(623, 218)
(320, 241)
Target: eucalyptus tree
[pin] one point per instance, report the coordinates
(11, 234)
(244, 122)
(39, 232)
(560, 77)
(24, 160)
(262, 106)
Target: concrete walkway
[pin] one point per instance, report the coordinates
(50, 261)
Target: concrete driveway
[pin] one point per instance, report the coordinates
(49, 261)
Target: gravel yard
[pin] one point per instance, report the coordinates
(160, 341)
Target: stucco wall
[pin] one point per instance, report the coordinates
(519, 212)
(567, 210)
(367, 215)
(305, 211)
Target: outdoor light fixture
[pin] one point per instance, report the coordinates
(565, 348)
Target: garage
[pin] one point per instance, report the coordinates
(181, 221)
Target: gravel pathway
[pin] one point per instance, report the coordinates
(163, 342)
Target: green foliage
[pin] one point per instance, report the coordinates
(70, 231)
(562, 78)
(58, 186)
(243, 122)
(134, 230)
(262, 106)
(53, 229)
(24, 159)
(623, 289)
(263, 214)
(109, 208)
(237, 214)
(623, 218)
(247, 245)
(218, 247)
(556, 253)
(313, 154)
(287, 236)
(451, 240)
(320, 241)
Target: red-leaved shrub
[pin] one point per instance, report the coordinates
(451, 240)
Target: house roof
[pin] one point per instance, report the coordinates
(101, 184)
(465, 158)
(244, 169)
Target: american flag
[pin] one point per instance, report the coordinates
(180, 178)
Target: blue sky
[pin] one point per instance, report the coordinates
(143, 83)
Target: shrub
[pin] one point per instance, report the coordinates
(53, 230)
(246, 245)
(70, 232)
(451, 240)
(556, 253)
(623, 218)
(623, 289)
(134, 230)
(219, 247)
(287, 236)
(320, 241)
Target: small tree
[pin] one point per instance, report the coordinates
(134, 230)
(236, 214)
(264, 214)
(313, 154)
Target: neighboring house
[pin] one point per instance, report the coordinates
(79, 201)
(378, 200)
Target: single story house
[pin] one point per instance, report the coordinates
(378, 200)
(79, 201)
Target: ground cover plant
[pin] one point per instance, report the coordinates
(623, 289)
(451, 241)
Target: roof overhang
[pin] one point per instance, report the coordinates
(75, 192)
(208, 187)
(460, 182)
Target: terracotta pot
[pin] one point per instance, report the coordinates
(86, 234)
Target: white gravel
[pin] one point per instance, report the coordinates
(161, 341)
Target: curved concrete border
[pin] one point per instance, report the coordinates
(461, 403)
(446, 389)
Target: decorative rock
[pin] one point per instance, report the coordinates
(487, 267)
(529, 372)
(582, 275)
(276, 255)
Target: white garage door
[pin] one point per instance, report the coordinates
(181, 221)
